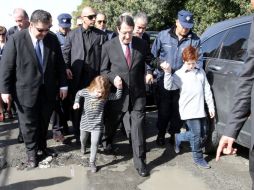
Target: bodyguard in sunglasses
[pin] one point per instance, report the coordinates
(32, 73)
(82, 55)
(101, 23)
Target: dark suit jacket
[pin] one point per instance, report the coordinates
(11, 31)
(110, 34)
(114, 63)
(74, 55)
(243, 102)
(20, 74)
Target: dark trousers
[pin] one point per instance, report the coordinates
(60, 115)
(168, 110)
(34, 123)
(251, 166)
(136, 127)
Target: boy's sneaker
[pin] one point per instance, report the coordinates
(93, 167)
(176, 145)
(202, 163)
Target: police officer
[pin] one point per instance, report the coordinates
(64, 23)
(61, 113)
(168, 46)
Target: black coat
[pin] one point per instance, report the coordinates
(20, 74)
(243, 102)
(75, 56)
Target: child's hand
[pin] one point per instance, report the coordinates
(76, 106)
(165, 67)
(119, 84)
(212, 114)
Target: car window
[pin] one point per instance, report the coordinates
(211, 46)
(234, 45)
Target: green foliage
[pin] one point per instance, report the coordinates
(162, 13)
(208, 12)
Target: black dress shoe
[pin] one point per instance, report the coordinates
(160, 141)
(32, 162)
(20, 138)
(143, 172)
(47, 152)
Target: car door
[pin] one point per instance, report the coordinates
(223, 72)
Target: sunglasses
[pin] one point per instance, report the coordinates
(3, 34)
(90, 17)
(42, 30)
(100, 21)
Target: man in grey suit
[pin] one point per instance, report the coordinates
(82, 54)
(31, 73)
(243, 104)
(125, 57)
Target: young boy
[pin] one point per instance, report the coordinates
(194, 91)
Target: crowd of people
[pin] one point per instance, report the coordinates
(97, 78)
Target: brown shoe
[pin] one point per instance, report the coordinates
(2, 118)
(58, 137)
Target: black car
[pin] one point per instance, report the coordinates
(224, 46)
(151, 88)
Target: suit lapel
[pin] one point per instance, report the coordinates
(133, 52)
(45, 54)
(30, 47)
(93, 38)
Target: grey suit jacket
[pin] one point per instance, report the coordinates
(74, 55)
(243, 102)
(114, 63)
(20, 74)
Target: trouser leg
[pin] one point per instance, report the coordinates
(164, 110)
(112, 120)
(28, 123)
(137, 138)
(194, 126)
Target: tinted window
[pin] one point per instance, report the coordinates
(235, 43)
(211, 46)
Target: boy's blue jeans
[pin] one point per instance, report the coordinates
(195, 135)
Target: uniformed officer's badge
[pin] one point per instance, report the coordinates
(188, 18)
(64, 20)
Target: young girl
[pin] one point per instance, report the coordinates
(95, 97)
(194, 91)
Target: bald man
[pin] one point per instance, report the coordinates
(82, 55)
(22, 21)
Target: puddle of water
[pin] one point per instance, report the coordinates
(72, 177)
(172, 178)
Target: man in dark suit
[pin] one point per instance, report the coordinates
(101, 23)
(22, 22)
(242, 106)
(124, 57)
(31, 73)
(82, 54)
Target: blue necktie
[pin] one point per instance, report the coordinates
(38, 52)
